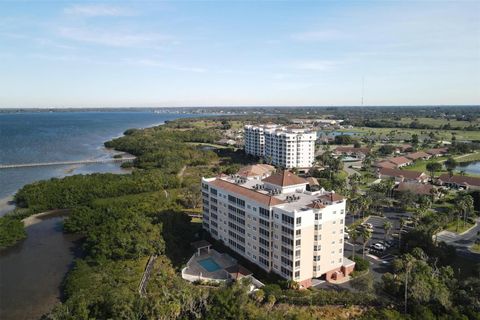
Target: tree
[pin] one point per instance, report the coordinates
(343, 139)
(357, 144)
(366, 236)
(433, 167)
(363, 283)
(402, 225)
(414, 140)
(387, 226)
(193, 196)
(450, 164)
(465, 204)
(354, 234)
(259, 295)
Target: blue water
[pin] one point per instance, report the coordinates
(62, 136)
(471, 168)
(209, 264)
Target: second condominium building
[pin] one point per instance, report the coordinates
(273, 220)
(281, 146)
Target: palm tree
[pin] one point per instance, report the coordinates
(402, 225)
(467, 206)
(354, 235)
(366, 236)
(387, 226)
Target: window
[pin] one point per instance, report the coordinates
(287, 241)
(298, 242)
(297, 274)
(297, 263)
(286, 219)
(264, 212)
(297, 253)
(298, 232)
(316, 258)
(299, 221)
(287, 230)
(318, 216)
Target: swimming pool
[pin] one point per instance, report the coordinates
(209, 264)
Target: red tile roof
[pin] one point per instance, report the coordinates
(401, 173)
(317, 204)
(437, 151)
(460, 180)
(284, 178)
(399, 160)
(332, 197)
(385, 164)
(417, 155)
(417, 188)
(264, 199)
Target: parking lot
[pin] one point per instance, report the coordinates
(379, 259)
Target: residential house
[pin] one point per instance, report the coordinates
(402, 175)
(352, 151)
(458, 181)
(419, 155)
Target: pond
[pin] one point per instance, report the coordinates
(470, 167)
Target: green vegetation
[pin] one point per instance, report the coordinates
(11, 231)
(458, 228)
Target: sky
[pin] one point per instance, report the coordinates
(238, 53)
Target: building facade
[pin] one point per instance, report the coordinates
(277, 224)
(281, 146)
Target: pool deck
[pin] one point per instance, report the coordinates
(194, 271)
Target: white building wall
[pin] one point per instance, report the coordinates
(318, 233)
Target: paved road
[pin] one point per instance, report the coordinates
(350, 171)
(462, 242)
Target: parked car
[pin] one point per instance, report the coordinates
(384, 243)
(379, 246)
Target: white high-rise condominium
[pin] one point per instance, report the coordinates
(276, 223)
(281, 146)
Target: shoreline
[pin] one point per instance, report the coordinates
(36, 218)
(6, 205)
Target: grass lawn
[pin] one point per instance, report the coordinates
(443, 134)
(468, 157)
(438, 122)
(421, 165)
(452, 226)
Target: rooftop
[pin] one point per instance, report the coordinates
(284, 178)
(400, 173)
(463, 180)
(258, 191)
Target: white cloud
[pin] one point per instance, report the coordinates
(115, 39)
(98, 11)
(314, 36)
